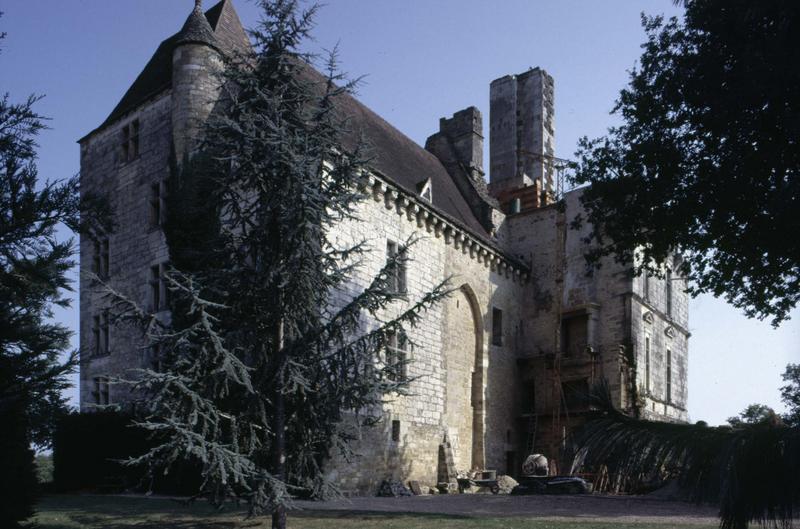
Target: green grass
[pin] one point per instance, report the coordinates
(106, 512)
(44, 468)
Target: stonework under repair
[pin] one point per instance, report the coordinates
(497, 367)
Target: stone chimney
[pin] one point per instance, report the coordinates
(459, 146)
(521, 142)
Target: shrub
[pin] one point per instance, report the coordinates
(89, 448)
(18, 485)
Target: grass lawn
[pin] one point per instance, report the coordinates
(106, 512)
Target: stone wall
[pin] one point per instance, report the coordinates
(667, 330)
(135, 245)
(460, 383)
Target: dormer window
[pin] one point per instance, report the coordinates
(425, 189)
(129, 143)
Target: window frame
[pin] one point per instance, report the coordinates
(668, 293)
(154, 280)
(668, 385)
(129, 141)
(498, 337)
(156, 205)
(647, 353)
(398, 281)
(397, 354)
(101, 391)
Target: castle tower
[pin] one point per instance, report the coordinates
(521, 142)
(196, 59)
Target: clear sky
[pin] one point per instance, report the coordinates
(422, 60)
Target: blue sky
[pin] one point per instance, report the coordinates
(422, 60)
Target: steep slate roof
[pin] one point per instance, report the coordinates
(197, 30)
(396, 156)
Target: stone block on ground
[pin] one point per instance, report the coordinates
(506, 484)
(392, 488)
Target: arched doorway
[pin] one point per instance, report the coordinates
(463, 362)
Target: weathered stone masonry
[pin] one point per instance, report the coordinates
(495, 365)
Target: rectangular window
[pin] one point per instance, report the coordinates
(155, 288)
(396, 431)
(646, 285)
(105, 333)
(101, 392)
(647, 363)
(96, 265)
(134, 139)
(574, 335)
(101, 334)
(100, 261)
(129, 141)
(669, 376)
(105, 270)
(156, 358)
(669, 292)
(96, 336)
(156, 204)
(397, 356)
(397, 281)
(497, 326)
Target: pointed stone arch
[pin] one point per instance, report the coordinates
(464, 378)
(478, 381)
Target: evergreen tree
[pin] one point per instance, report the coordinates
(33, 267)
(264, 374)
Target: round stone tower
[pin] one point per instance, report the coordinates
(196, 59)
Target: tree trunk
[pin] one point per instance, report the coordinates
(279, 427)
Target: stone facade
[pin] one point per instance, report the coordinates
(495, 366)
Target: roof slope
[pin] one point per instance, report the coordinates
(396, 156)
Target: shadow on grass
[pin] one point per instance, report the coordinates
(334, 514)
(126, 512)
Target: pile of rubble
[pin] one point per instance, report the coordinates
(392, 488)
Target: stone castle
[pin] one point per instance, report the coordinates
(498, 367)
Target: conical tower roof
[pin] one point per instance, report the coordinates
(196, 29)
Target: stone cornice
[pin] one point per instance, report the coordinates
(441, 225)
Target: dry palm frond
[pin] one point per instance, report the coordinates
(752, 472)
